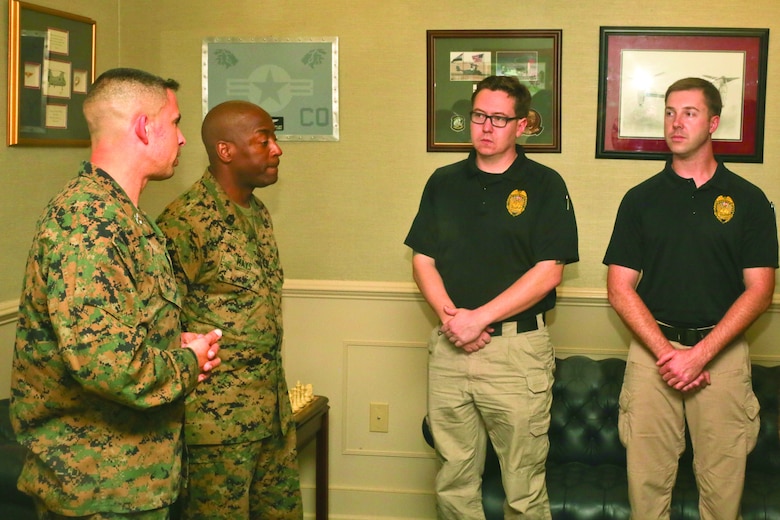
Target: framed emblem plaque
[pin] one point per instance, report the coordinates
(295, 80)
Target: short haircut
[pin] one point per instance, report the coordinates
(512, 86)
(711, 94)
(124, 87)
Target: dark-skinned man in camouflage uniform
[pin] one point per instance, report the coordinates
(239, 429)
(99, 378)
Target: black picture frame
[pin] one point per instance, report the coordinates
(637, 64)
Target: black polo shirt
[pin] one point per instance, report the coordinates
(486, 230)
(691, 244)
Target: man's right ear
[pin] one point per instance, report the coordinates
(225, 151)
(142, 128)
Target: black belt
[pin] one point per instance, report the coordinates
(523, 325)
(687, 337)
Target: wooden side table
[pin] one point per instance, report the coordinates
(311, 423)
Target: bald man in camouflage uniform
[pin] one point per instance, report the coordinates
(239, 430)
(99, 378)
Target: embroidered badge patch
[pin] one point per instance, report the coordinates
(516, 202)
(457, 123)
(724, 208)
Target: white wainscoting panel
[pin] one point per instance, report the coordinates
(359, 342)
(391, 373)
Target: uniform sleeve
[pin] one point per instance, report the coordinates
(422, 236)
(184, 248)
(760, 237)
(625, 245)
(118, 324)
(555, 237)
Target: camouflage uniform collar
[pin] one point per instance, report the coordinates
(114, 191)
(229, 210)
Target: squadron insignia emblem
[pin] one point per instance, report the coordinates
(724, 208)
(516, 202)
(457, 123)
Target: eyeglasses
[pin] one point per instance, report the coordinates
(497, 121)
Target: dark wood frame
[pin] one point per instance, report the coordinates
(691, 52)
(312, 424)
(538, 53)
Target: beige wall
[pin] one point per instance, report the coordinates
(343, 209)
(29, 176)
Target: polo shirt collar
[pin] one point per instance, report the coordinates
(513, 172)
(718, 180)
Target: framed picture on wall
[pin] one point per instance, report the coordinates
(295, 80)
(637, 64)
(459, 59)
(51, 63)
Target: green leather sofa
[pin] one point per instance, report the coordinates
(13, 503)
(586, 475)
(586, 465)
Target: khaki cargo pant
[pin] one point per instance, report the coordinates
(505, 391)
(722, 421)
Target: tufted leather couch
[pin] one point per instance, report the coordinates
(13, 503)
(586, 466)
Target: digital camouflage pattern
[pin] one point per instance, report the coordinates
(227, 264)
(219, 477)
(98, 377)
(230, 278)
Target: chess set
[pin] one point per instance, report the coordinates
(301, 396)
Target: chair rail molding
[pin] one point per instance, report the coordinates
(8, 311)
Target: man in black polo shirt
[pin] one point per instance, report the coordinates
(692, 264)
(490, 240)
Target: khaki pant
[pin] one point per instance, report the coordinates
(505, 391)
(722, 421)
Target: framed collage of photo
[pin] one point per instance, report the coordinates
(637, 64)
(459, 59)
(51, 63)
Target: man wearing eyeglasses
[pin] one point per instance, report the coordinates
(490, 239)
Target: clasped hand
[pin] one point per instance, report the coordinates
(464, 331)
(206, 349)
(683, 370)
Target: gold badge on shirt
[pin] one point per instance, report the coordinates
(516, 202)
(724, 208)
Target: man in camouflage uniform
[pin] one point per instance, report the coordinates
(239, 430)
(98, 380)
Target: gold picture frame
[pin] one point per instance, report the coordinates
(51, 63)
